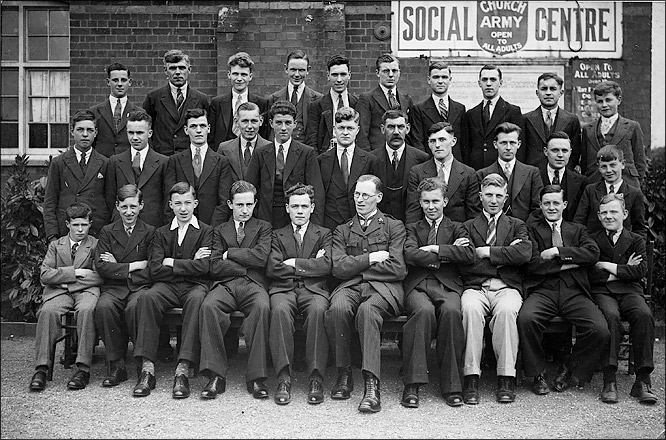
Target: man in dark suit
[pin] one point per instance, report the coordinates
(299, 265)
(524, 181)
(238, 268)
(319, 133)
(167, 105)
(482, 120)
(112, 114)
(224, 108)
(77, 175)
(462, 183)
(556, 283)
(394, 163)
(121, 258)
(433, 249)
(368, 258)
(280, 165)
(617, 290)
(207, 171)
(547, 119)
(373, 104)
(493, 286)
(298, 93)
(438, 107)
(179, 262)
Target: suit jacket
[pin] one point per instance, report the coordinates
(308, 96)
(523, 188)
(586, 214)
(109, 141)
(151, 182)
(220, 117)
(578, 248)
(212, 189)
(118, 280)
(479, 151)
(245, 259)
(169, 137)
(66, 184)
(58, 268)
(426, 113)
(627, 136)
(371, 106)
(313, 272)
(536, 135)
(462, 191)
(442, 265)
(351, 263)
(573, 185)
(300, 165)
(506, 259)
(319, 133)
(186, 268)
(628, 277)
(231, 149)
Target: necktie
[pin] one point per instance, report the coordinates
(440, 169)
(605, 126)
(556, 177)
(611, 190)
(129, 230)
(240, 234)
(75, 246)
(341, 103)
(432, 234)
(117, 114)
(196, 162)
(557, 238)
(365, 222)
(395, 160)
(611, 235)
(294, 96)
(344, 165)
(247, 154)
(82, 163)
(279, 164)
(442, 109)
(179, 98)
(393, 103)
(136, 165)
(486, 113)
(507, 171)
(491, 238)
(235, 129)
(549, 121)
(297, 236)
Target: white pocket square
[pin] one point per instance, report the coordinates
(100, 175)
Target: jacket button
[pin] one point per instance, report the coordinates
(175, 135)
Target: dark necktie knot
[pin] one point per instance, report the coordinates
(556, 177)
(75, 247)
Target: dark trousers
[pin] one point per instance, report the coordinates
(250, 298)
(151, 306)
(363, 307)
(433, 311)
(115, 320)
(633, 308)
(284, 307)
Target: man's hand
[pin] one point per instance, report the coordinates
(321, 253)
(82, 273)
(108, 257)
(482, 252)
(378, 256)
(603, 265)
(434, 248)
(569, 266)
(550, 253)
(138, 265)
(167, 262)
(635, 260)
(462, 241)
(202, 252)
(612, 277)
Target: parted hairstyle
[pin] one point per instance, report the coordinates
(193, 113)
(550, 75)
(282, 107)
(493, 179)
(299, 189)
(609, 153)
(439, 65)
(393, 114)
(608, 87)
(506, 128)
(337, 60)
(127, 191)
(611, 197)
(385, 58)
(117, 66)
(374, 179)
(240, 187)
(182, 188)
(83, 115)
(78, 210)
(241, 59)
(551, 189)
(298, 54)
(557, 135)
(139, 115)
(176, 56)
(432, 184)
(491, 67)
(441, 125)
(347, 114)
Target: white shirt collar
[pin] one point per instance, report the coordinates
(243, 143)
(350, 149)
(394, 90)
(334, 98)
(142, 154)
(72, 242)
(204, 149)
(174, 90)
(371, 215)
(79, 153)
(445, 98)
(113, 99)
(299, 92)
(285, 147)
(553, 113)
(551, 173)
(502, 164)
(488, 216)
(390, 151)
(193, 221)
(303, 228)
(612, 119)
(558, 224)
(237, 223)
(437, 222)
(616, 186)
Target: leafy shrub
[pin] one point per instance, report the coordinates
(655, 193)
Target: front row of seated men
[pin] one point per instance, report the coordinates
(519, 274)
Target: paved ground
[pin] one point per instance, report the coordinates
(98, 412)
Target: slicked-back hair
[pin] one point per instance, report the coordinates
(282, 107)
(117, 66)
(441, 125)
(337, 60)
(439, 65)
(506, 128)
(193, 113)
(182, 188)
(78, 210)
(490, 67)
(248, 106)
(347, 114)
(612, 197)
(432, 184)
(609, 153)
(298, 54)
(394, 114)
(558, 135)
(608, 87)
(379, 187)
(550, 75)
(127, 191)
(241, 59)
(299, 189)
(83, 115)
(176, 56)
(385, 58)
(139, 115)
(551, 189)
(493, 179)
(240, 187)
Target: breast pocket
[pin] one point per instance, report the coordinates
(378, 242)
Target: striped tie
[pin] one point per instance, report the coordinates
(492, 237)
(432, 234)
(557, 238)
(442, 110)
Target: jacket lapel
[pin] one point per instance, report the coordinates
(378, 95)
(119, 234)
(232, 151)
(190, 241)
(210, 163)
(186, 165)
(107, 115)
(225, 105)
(92, 170)
(269, 161)
(519, 178)
(83, 252)
(125, 165)
(70, 160)
(358, 163)
(621, 246)
(150, 165)
(290, 161)
(538, 124)
(621, 130)
(422, 230)
(170, 104)
(455, 177)
(310, 238)
(502, 229)
(251, 229)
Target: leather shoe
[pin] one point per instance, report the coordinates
(410, 396)
(643, 391)
(181, 387)
(79, 380)
(371, 402)
(540, 385)
(117, 375)
(257, 389)
(471, 389)
(316, 393)
(344, 385)
(143, 386)
(506, 386)
(283, 393)
(454, 399)
(216, 385)
(609, 393)
(562, 379)
(38, 381)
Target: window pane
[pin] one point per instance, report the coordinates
(59, 48)
(59, 23)
(9, 22)
(59, 83)
(59, 110)
(9, 109)
(59, 136)
(9, 137)
(39, 110)
(9, 48)
(38, 136)
(37, 22)
(9, 82)
(38, 83)
(37, 48)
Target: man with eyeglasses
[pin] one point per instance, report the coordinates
(373, 103)
(368, 258)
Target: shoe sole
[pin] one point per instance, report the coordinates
(315, 400)
(366, 409)
(209, 396)
(337, 397)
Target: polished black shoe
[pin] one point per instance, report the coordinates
(145, 383)
(609, 392)
(562, 379)
(283, 393)
(410, 396)
(38, 381)
(316, 393)
(454, 399)
(117, 375)
(471, 389)
(79, 380)
(371, 402)
(344, 385)
(643, 391)
(257, 389)
(506, 386)
(181, 387)
(540, 385)
(216, 385)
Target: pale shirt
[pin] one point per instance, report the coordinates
(607, 123)
(616, 186)
(237, 223)
(551, 173)
(488, 217)
(204, 149)
(334, 98)
(350, 154)
(502, 165)
(113, 100)
(243, 144)
(553, 113)
(394, 90)
(285, 149)
(174, 91)
(299, 92)
(72, 243)
(445, 98)
(437, 222)
(182, 230)
(370, 216)
(142, 155)
(79, 153)
(390, 151)
(493, 104)
(615, 236)
(446, 166)
(234, 100)
(301, 232)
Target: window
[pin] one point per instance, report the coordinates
(34, 99)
